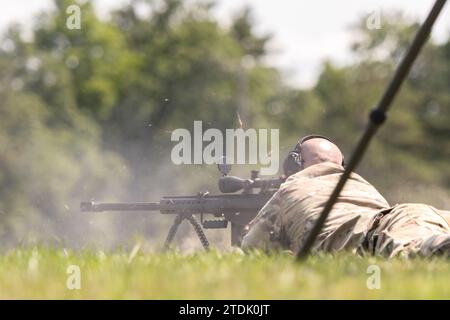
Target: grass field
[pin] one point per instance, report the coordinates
(42, 274)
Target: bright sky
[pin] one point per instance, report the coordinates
(305, 32)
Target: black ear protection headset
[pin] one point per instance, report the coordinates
(293, 162)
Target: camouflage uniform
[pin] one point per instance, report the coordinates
(408, 230)
(446, 215)
(361, 219)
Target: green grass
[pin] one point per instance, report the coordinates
(41, 274)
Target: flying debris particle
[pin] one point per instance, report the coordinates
(166, 100)
(134, 252)
(33, 262)
(241, 124)
(149, 125)
(101, 255)
(66, 206)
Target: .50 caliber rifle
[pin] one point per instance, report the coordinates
(237, 208)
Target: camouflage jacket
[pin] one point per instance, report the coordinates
(290, 214)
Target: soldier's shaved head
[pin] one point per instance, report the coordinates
(318, 150)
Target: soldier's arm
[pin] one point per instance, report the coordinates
(264, 229)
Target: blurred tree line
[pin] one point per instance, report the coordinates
(88, 114)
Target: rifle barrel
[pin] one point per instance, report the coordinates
(186, 204)
(119, 206)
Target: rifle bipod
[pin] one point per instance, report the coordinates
(197, 227)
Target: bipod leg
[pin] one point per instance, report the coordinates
(200, 233)
(173, 230)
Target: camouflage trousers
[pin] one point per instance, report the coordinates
(408, 230)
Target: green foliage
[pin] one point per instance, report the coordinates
(414, 141)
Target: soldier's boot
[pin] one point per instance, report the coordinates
(436, 245)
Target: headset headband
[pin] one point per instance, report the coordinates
(309, 137)
(298, 146)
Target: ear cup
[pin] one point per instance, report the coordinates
(292, 163)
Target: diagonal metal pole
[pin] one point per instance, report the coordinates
(376, 118)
